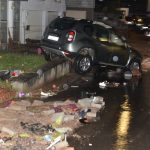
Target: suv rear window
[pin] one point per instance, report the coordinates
(62, 24)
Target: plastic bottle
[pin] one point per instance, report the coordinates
(23, 94)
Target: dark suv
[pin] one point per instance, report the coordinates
(87, 43)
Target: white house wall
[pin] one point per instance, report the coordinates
(80, 3)
(36, 14)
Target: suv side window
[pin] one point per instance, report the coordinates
(101, 34)
(115, 39)
(88, 29)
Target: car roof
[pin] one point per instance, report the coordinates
(87, 21)
(102, 24)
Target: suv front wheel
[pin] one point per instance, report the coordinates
(135, 68)
(83, 64)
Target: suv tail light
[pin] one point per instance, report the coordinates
(71, 36)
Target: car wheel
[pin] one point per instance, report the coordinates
(83, 64)
(135, 68)
(49, 56)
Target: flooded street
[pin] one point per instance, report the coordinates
(124, 124)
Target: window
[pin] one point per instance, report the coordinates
(102, 34)
(115, 39)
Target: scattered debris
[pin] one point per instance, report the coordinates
(37, 128)
(15, 72)
(4, 74)
(91, 106)
(7, 74)
(106, 84)
(45, 125)
(23, 94)
(47, 94)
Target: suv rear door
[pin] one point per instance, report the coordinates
(55, 33)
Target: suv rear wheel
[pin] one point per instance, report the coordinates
(83, 64)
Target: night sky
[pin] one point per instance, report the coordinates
(133, 5)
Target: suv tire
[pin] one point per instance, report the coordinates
(135, 68)
(83, 64)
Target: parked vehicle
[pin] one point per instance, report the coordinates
(147, 33)
(140, 22)
(129, 20)
(88, 43)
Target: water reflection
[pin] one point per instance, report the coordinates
(123, 126)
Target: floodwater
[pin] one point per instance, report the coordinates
(124, 124)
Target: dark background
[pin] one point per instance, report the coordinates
(135, 6)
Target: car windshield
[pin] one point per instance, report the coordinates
(62, 24)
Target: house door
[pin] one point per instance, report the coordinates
(33, 27)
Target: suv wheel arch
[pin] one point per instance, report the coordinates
(87, 51)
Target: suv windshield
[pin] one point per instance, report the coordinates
(62, 24)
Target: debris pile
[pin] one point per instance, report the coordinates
(106, 84)
(7, 74)
(39, 125)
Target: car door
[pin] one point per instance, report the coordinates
(111, 49)
(119, 52)
(101, 36)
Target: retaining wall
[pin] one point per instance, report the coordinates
(47, 73)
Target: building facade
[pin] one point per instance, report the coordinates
(80, 9)
(27, 19)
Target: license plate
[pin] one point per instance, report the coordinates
(54, 38)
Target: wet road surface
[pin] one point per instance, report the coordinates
(124, 124)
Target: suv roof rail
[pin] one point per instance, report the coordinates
(85, 20)
(71, 18)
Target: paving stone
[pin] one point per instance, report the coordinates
(37, 103)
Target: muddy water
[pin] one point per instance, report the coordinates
(124, 124)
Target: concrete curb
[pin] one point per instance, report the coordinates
(47, 73)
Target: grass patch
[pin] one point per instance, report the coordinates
(21, 61)
(18, 61)
(5, 85)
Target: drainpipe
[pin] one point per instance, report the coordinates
(10, 19)
(148, 5)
